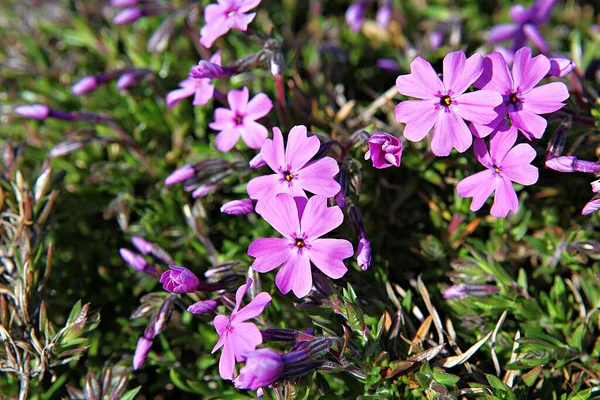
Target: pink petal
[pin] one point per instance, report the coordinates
(259, 106)
(240, 21)
(532, 32)
(282, 214)
(239, 296)
(295, 275)
(220, 323)
(460, 73)
(327, 255)
(478, 106)
(481, 153)
(501, 142)
(264, 187)
(422, 82)
(244, 338)
(496, 75)
(516, 165)
(254, 134)
(226, 139)
(174, 97)
(519, 13)
(528, 72)
(248, 5)
(212, 31)
(532, 125)
(505, 199)
(450, 131)
(270, 253)
(204, 92)
(272, 151)
(419, 117)
(478, 186)
(238, 100)
(224, 120)
(318, 219)
(503, 32)
(300, 148)
(254, 308)
(214, 13)
(227, 362)
(216, 58)
(317, 177)
(546, 98)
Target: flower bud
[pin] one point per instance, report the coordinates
(141, 352)
(462, 291)
(203, 190)
(263, 367)
(384, 14)
(142, 245)
(128, 16)
(35, 111)
(363, 254)
(385, 150)
(203, 306)
(561, 164)
(179, 280)
(126, 80)
(134, 260)
(238, 207)
(209, 70)
(84, 85)
(180, 175)
(592, 206)
(560, 67)
(123, 3)
(355, 15)
(595, 186)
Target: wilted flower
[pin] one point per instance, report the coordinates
(238, 207)
(445, 104)
(179, 280)
(302, 223)
(263, 367)
(385, 150)
(202, 89)
(240, 120)
(235, 335)
(561, 66)
(226, 15)
(141, 352)
(203, 306)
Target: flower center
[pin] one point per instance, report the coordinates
(300, 243)
(231, 13)
(497, 170)
(239, 120)
(288, 176)
(445, 101)
(513, 99)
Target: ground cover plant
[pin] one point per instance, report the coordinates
(299, 199)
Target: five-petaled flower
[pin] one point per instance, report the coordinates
(237, 336)
(302, 223)
(505, 164)
(522, 101)
(226, 15)
(240, 120)
(202, 89)
(293, 172)
(444, 104)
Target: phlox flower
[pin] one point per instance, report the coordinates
(240, 120)
(525, 26)
(201, 89)
(522, 101)
(302, 223)
(237, 336)
(226, 15)
(293, 172)
(444, 104)
(505, 164)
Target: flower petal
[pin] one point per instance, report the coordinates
(238, 100)
(422, 82)
(478, 106)
(254, 134)
(244, 337)
(239, 296)
(532, 125)
(174, 97)
(248, 5)
(282, 214)
(318, 219)
(204, 92)
(264, 187)
(496, 75)
(295, 275)
(533, 33)
(240, 21)
(503, 32)
(460, 73)
(224, 120)
(528, 72)
(270, 253)
(227, 139)
(254, 308)
(272, 151)
(327, 255)
(220, 323)
(505, 199)
(300, 148)
(516, 165)
(317, 177)
(479, 186)
(450, 131)
(501, 142)
(419, 117)
(481, 153)
(259, 106)
(227, 362)
(546, 98)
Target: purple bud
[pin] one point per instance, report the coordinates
(588, 167)
(35, 111)
(126, 80)
(123, 3)
(561, 164)
(596, 186)
(134, 260)
(384, 15)
(208, 70)
(436, 38)
(84, 86)
(462, 291)
(180, 175)
(179, 280)
(128, 16)
(355, 15)
(385, 150)
(592, 206)
(263, 367)
(257, 161)
(387, 64)
(238, 207)
(203, 306)
(203, 190)
(363, 254)
(143, 246)
(560, 67)
(141, 352)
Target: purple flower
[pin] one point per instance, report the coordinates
(526, 25)
(384, 14)
(356, 14)
(240, 120)
(180, 175)
(302, 223)
(263, 367)
(522, 101)
(84, 85)
(226, 15)
(126, 80)
(35, 111)
(128, 16)
(179, 280)
(560, 67)
(461, 291)
(203, 306)
(235, 335)
(238, 207)
(201, 89)
(141, 352)
(293, 172)
(445, 104)
(385, 150)
(505, 164)
(363, 254)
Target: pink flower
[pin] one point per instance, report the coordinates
(201, 89)
(522, 101)
(226, 15)
(240, 120)
(445, 104)
(235, 335)
(293, 172)
(302, 223)
(385, 150)
(505, 164)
